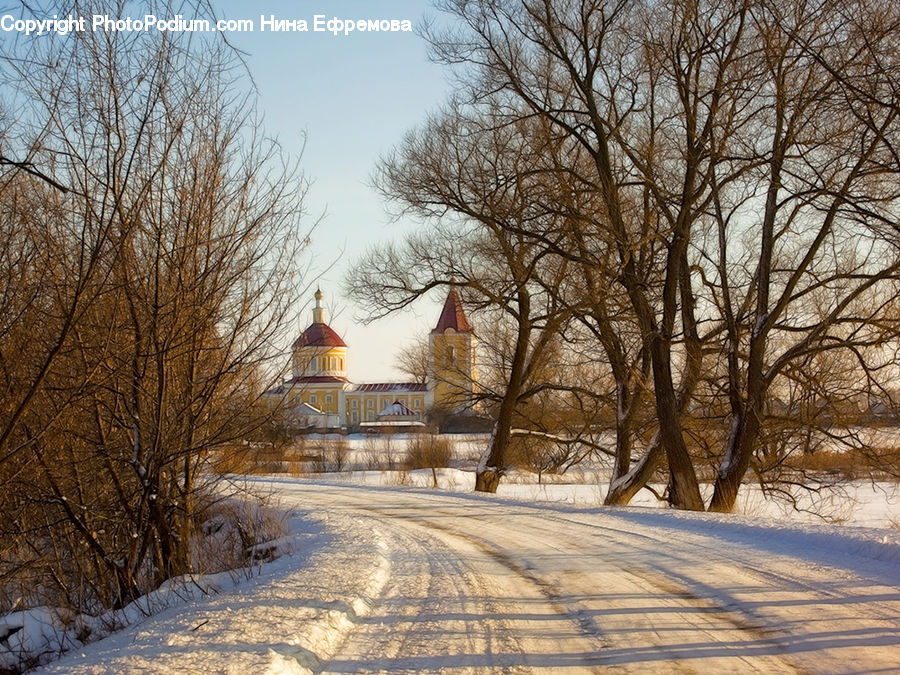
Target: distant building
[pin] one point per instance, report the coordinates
(319, 395)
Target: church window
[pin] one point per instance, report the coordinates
(354, 403)
(417, 403)
(370, 403)
(328, 398)
(450, 355)
(312, 398)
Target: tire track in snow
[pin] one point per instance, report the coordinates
(704, 548)
(771, 621)
(707, 607)
(564, 603)
(491, 633)
(588, 628)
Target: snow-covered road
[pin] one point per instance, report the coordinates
(421, 581)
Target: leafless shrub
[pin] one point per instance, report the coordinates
(426, 451)
(333, 455)
(337, 450)
(401, 479)
(381, 451)
(232, 533)
(529, 453)
(429, 451)
(544, 454)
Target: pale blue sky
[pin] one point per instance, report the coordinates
(353, 97)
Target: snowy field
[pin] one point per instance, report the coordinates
(385, 573)
(856, 503)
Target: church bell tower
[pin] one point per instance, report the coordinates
(452, 369)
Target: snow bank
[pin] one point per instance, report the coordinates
(854, 503)
(289, 619)
(35, 636)
(32, 636)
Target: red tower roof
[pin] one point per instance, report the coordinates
(319, 335)
(452, 316)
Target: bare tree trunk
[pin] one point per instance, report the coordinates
(684, 489)
(490, 470)
(623, 489)
(627, 484)
(738, 451)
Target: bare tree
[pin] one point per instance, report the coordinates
(414, 359)
(478, 176)
(825, 273)
(589, 71)
(693, 118)
(169, 275)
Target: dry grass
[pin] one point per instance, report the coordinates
(250, 459)
(297, 457)
(874, 463)
(401, 479)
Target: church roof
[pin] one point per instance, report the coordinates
(385, 387)
(452, 316)
(319, 335)
(318, 379)
(307, 409)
